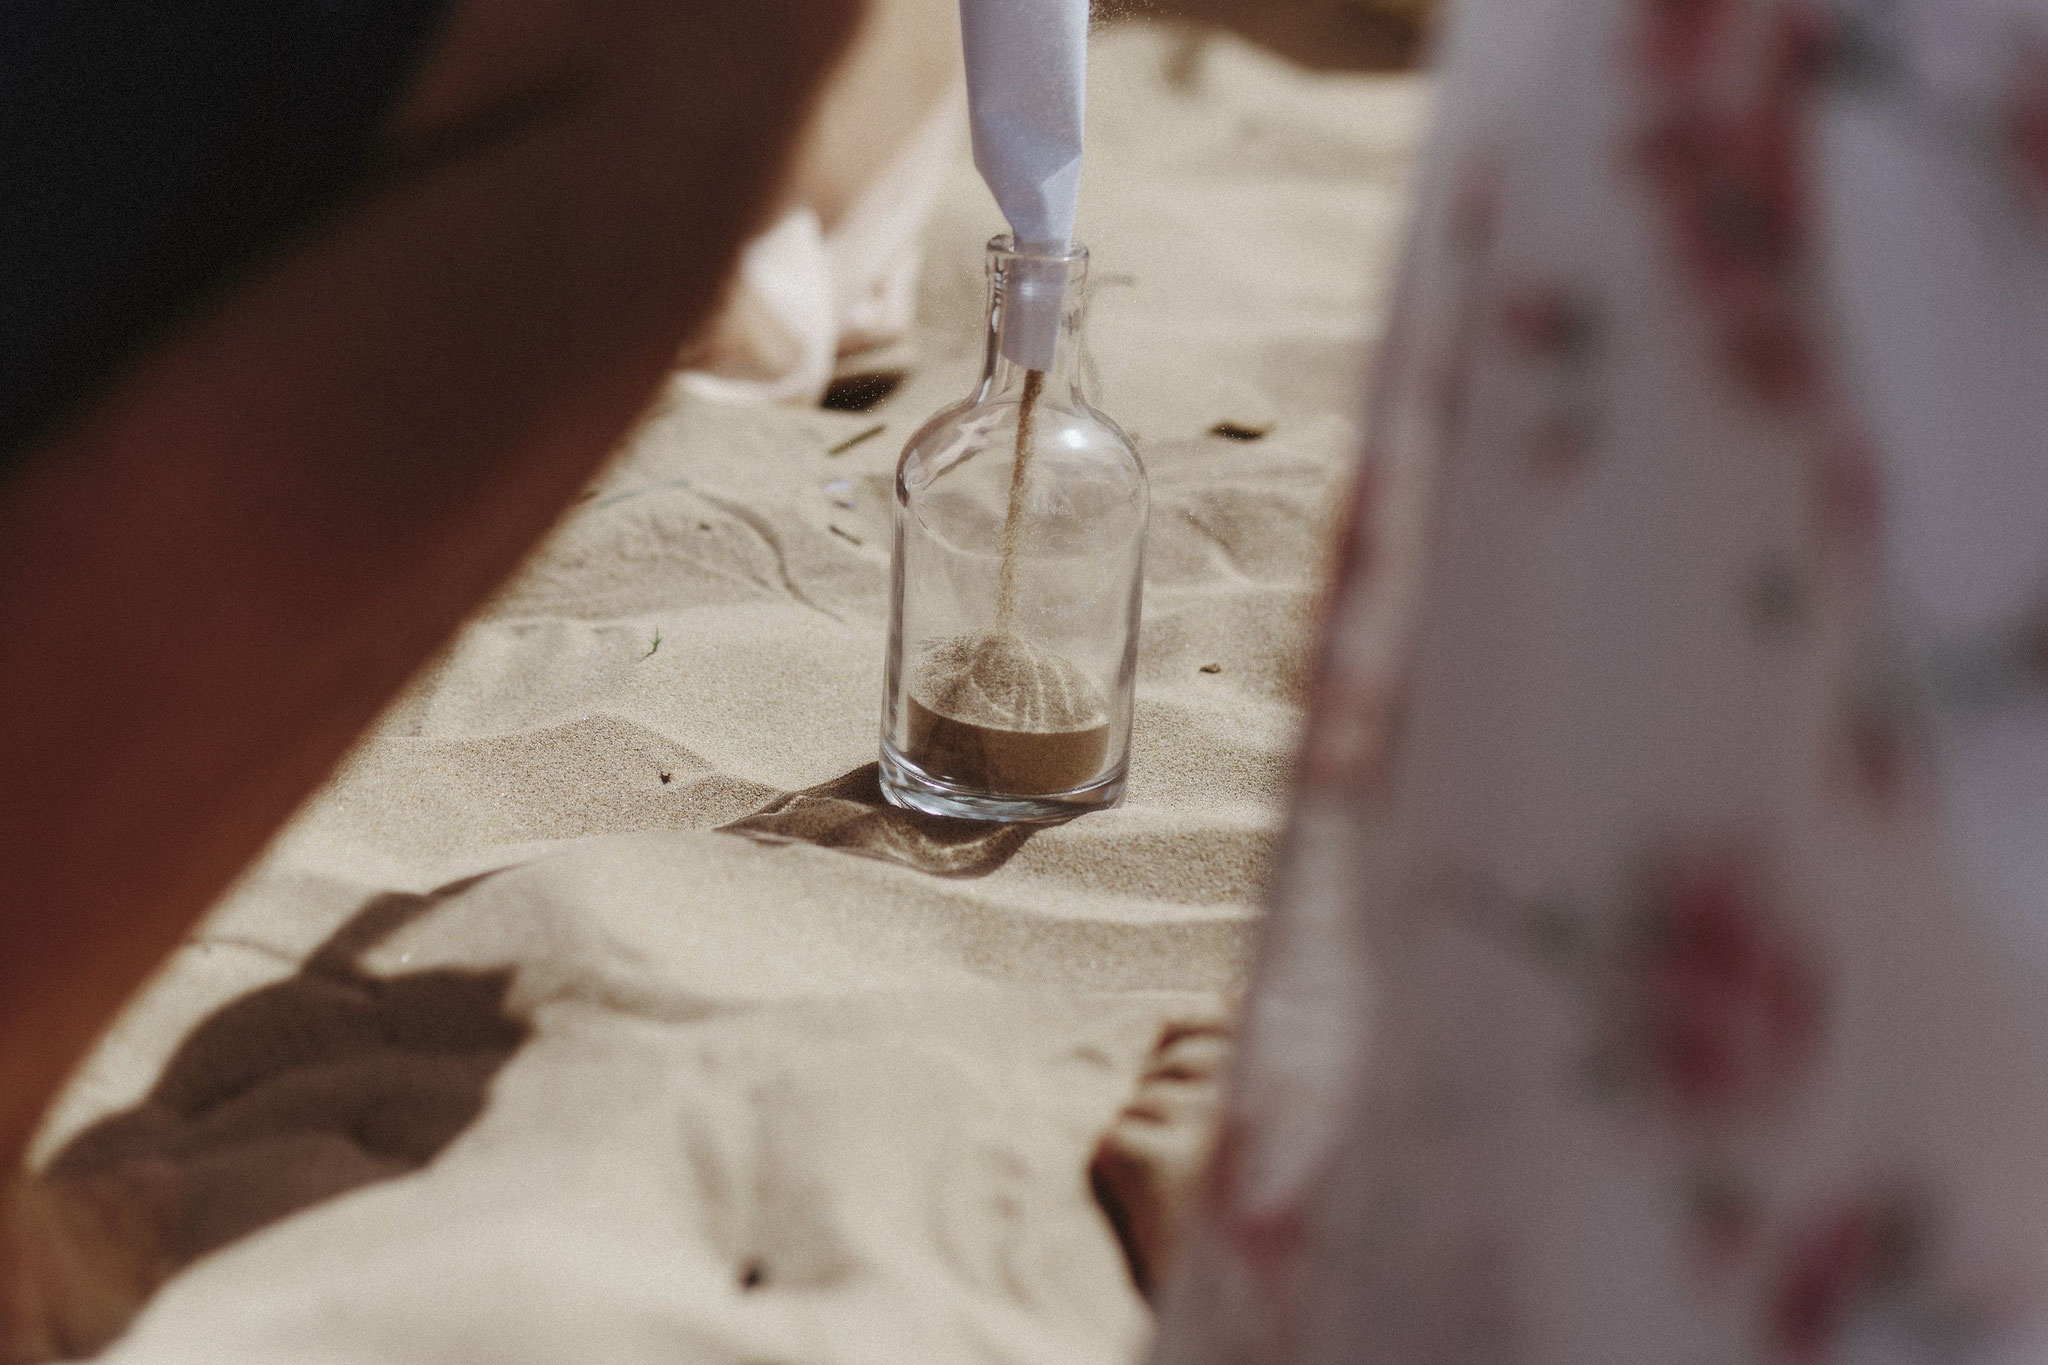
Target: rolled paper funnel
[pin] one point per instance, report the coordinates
(1027, 63)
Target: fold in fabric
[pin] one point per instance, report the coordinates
(804, 296)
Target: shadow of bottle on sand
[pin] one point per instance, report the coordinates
(850, 814)
(306, 1089)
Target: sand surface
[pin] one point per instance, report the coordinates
(641, 1030)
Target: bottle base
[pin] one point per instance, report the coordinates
(908, 786)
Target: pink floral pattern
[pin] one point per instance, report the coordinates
(1847, 1257)
(1730, 1007)
(1731, 179)
(1862, 1262)
(1555, 331)
(1656, 965)
(1706, 1004)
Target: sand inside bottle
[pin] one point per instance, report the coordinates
(992, 711)
(999, 714)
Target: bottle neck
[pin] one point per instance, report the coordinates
(1035, 317)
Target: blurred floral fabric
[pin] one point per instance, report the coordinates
(1659, 965)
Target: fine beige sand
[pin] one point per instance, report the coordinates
(599, 1012)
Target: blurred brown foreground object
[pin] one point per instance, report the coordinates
(225, 568)
(291, 503)
(1146, 1165)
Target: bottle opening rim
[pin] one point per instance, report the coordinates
(1004, 247)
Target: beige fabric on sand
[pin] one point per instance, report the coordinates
(836, 274)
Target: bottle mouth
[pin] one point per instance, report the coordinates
(1005, 247)
(1032, 290)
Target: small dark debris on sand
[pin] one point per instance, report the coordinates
(850, 442)
(860, 392)
(1237, 431)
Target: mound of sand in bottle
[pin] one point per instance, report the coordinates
(994, 712)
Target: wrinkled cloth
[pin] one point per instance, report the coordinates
(805, 295)
(1657, 967)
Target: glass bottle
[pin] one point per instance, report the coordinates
(1014, 597)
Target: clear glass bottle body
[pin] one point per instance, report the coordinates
(1016, 578)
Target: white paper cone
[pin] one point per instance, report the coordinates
(1027, 63)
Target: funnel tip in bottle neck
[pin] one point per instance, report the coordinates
(1005, 246)
(1034, 281)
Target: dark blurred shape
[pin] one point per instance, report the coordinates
(1326, 35)
(1145, 1168)
(1232, 431)
(859, 392)
(147, 157)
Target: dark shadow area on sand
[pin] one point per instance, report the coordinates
(320, 1084)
